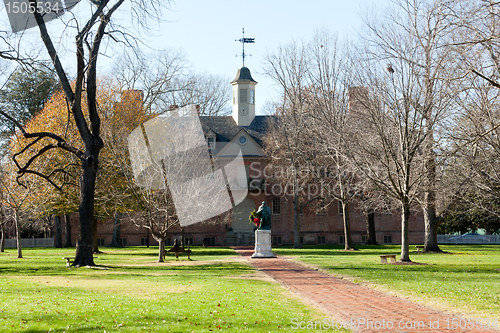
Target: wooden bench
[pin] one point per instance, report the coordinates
(383, 258)
(419, 247)
(69, 259)
(180, 249)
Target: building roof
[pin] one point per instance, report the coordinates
(226, 128)
(243, 74)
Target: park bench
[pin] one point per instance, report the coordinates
(419, 247)
(180, 249)
(383, 258)
(69, 259)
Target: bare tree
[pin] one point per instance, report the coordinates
(387, 149)
(312, 133)
(166, 79)
(418, 33)
(286, 145)
(90, 35)
(331, 76)
(16, 200)
(476, 141)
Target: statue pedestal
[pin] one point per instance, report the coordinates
(263, 244)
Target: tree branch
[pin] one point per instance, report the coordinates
(492, 82)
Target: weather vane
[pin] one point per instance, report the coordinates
(243, 41)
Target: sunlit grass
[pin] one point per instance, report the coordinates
(131, 292)
(466, 280)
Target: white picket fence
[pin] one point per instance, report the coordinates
(469, 239)
(30, 242)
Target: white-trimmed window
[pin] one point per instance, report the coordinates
(321, 240)
(252, 96)
(211, 142)
(387, 239)
(276, 206)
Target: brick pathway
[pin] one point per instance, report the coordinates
(360, 308)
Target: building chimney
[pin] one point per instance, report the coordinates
(133, 94)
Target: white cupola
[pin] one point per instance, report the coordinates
(243, 97)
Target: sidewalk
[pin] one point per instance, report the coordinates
(360, 308)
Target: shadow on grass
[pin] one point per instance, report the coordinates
(153, 251)
(81, 329)
(206, 270)
(327, 250)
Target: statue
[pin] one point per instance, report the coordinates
(263, 233)
(265, 217)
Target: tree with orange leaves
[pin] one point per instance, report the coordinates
(119, 113)
(90, 30)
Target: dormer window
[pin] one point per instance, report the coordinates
(211, 142)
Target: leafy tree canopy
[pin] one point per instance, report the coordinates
(27, 91)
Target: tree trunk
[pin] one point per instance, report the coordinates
(405, 219)
(348, 245)
(431, 227)
(67, 227)
(430, 216)
(115, 242)
(296, 227)
(161, 250)
(84, 249)
(429, 210)
(371, 238)
(18, 235)
(182, 237)
(58, 233)
(2, 241)
(487, 228)
(95, 243)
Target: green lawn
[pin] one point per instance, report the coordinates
(216, 291)
(466, 280)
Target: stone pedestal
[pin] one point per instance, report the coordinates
(263, 244)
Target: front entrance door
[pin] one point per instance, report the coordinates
(242, 228)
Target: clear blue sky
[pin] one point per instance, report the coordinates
(206, 31)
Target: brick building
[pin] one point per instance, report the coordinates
(247, 131)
